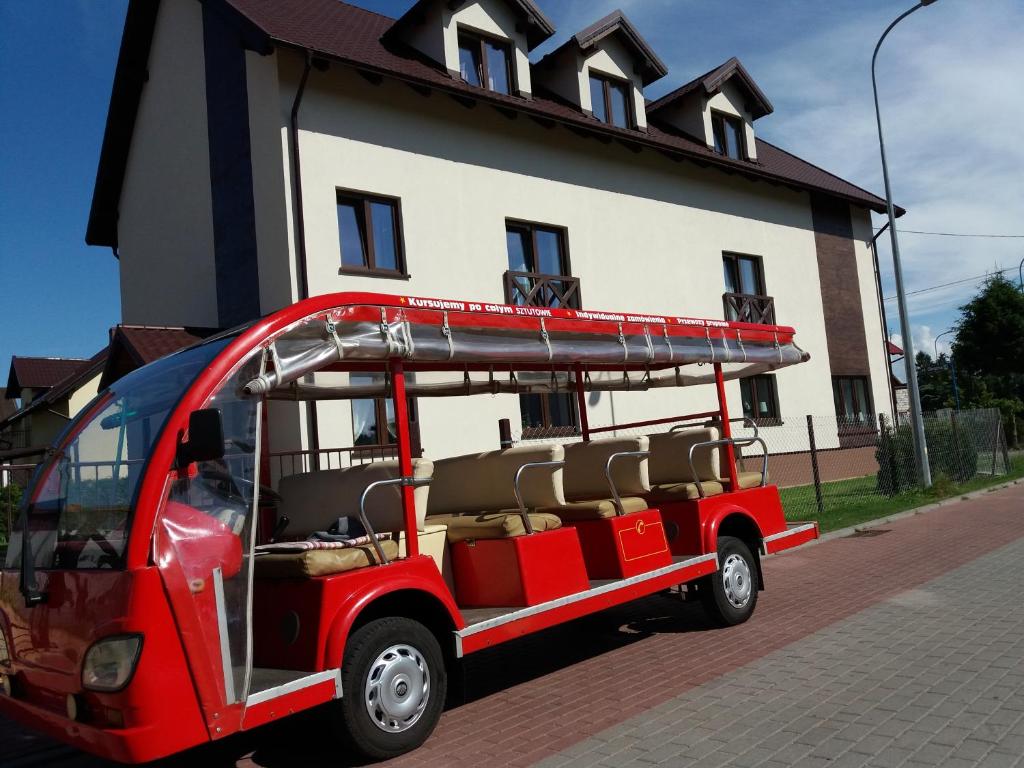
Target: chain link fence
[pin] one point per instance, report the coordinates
(823, 464)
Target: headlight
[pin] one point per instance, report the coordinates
(110, 663)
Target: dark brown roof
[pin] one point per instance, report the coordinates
(340, 32)
(133, 346)
(612, 24)
(39, 372)
(711, 82)
(538, 27)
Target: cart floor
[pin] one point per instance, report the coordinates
(263, 679)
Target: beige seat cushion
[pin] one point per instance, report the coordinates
(319, 562)
(486, 481)
(312, 501)
(493, 525)
(576, 511)
(585, 463)
(670, 451)
(749, 479)
(684, 491)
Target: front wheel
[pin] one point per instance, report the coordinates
(730, 595)
(393, 687)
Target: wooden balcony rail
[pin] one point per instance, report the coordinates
(748, 308)
(532, 289)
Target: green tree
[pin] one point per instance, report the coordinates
(989, 351)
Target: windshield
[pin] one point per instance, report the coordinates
(80, 506)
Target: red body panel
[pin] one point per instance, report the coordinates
(627, 591)
(799, 534)
(692, 526)
(619, 547)
(281, 706)
(525, 570)
(158, 708)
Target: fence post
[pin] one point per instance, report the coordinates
(814, 465)
(505, 433)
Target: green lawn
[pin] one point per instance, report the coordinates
(849, 502)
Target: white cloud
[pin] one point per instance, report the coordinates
(949, 85)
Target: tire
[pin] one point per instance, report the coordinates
(387, 662)
(730, 595)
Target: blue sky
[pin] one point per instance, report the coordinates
(950, 93)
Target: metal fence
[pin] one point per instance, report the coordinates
(823, 463)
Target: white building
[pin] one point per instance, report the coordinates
(259, 151)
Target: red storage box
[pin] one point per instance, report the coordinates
(619, 547)
(521, 571)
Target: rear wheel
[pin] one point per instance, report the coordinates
(393, 687)
(730, 595)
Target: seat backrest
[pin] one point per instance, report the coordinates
(484, 482)
(312, 501)
(670, 453)
(585, 463)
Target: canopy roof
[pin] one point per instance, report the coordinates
(501, 348)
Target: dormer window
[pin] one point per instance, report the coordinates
(485, 62)
(728, 133)
(609, 99)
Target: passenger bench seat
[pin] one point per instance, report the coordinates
(586, 484)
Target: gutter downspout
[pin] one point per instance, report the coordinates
(300, 244)
(885, 319)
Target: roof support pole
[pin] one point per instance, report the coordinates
(723, 412)
(581, 404)
(412, 545)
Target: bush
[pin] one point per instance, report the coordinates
(950, 452)
(10, 501)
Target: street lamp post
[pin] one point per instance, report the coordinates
(1020, 274)
(916, 418)
(952, 366)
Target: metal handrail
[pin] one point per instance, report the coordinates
(736, 443)
(746, 420)
(414, 482)
(519, 496)
(611, 483)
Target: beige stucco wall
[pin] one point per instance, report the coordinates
(165, 226)
(643, 234)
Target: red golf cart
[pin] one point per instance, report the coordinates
(167, 587)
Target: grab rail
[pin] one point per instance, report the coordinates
(742, 442)
(519, 496)
(611, 483)
(414, 482)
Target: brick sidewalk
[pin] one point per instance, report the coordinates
(904, 644)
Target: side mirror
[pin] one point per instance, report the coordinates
(205, 438)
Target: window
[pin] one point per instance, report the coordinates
(543, 413)
(538, 264)
(853, 399)
(370, 232)
(743, 274)
(609, 101)
(728, 133)
(373, 419)
(536, 248)
(744, 290)
(485, 62)
(760, 398)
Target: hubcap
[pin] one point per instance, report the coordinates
(736, 580)
(397, 688)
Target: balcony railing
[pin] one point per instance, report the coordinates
(748, 308)
(532, 289)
